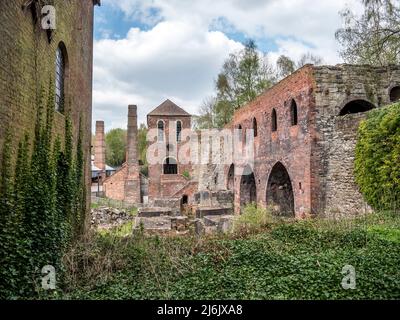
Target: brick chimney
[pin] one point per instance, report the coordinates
(100, 148)
(132, 181)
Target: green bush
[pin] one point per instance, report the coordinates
(253, 218)
(377, 159)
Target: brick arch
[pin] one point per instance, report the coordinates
(248, 186)
(279, 190)
(230, 177)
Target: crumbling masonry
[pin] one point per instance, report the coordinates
(305, 132)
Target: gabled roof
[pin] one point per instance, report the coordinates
(168, 108)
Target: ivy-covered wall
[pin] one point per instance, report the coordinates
(45, 155)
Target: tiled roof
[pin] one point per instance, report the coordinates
(168, 108)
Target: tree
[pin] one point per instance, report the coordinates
(244, 75)
(142, 143)
(374, 37)
(285, 66)
(309, 58)
(116, 147)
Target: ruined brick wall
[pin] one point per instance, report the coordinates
(27, 63)
(335, 189)
(289, 145)
(114, 186)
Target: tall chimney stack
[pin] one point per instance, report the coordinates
(132, 181)
(100, 149)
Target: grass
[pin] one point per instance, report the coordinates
(279, 259)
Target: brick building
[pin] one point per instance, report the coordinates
(305, 132)
(30, 57)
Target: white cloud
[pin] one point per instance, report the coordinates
(173, 60)
(178, 57)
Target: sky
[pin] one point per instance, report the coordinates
(147, 51)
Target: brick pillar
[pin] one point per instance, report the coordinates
(100, 149)
(132, 181)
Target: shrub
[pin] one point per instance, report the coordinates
(377, 159)
(253, 218)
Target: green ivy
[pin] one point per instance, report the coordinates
(377, 160)
(42, 202)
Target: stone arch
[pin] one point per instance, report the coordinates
(394, 94)
(356, 106)
(230, 180)
(248, 188)
(293, 113)
(280, 191)
(170, 166)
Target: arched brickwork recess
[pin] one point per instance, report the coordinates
(395, 94)
(170, 166)
(231, 177)
(280, 191)
(293, 113)
(248, 190)
(356, 106)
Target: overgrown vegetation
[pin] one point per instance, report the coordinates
(377, 161)
(42, 203)
(282, 259)
(372, 37)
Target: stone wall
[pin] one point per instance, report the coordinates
(335, 136)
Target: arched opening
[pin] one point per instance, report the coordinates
(240, 132)
(185, 199)
(293, 113)
(61, 66)
(280, 191)
(170, 166)
(178, 131)
(231, 177)
(160, 127)
(356, 106)
(395, 94)
(255, 127)
(274, 121)
(248, 189)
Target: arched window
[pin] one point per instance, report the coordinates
(356, 106)
(293, 113)
(255, 127)
(274, 121)
(170, 166)
(160, 127)
(178, 131)
(395, 94)
(240, 132)
(60, 78)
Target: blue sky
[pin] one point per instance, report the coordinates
(146, 51)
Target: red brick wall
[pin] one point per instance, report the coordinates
(161, 185)
(114, 186)
(290, 145)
